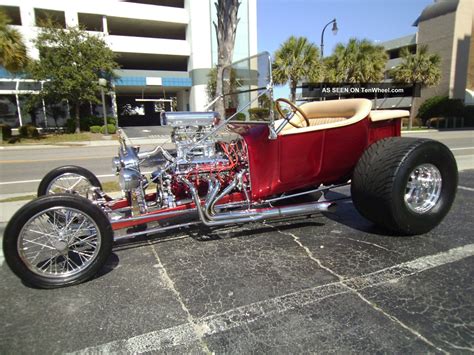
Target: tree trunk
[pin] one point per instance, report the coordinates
(226, 28)
(219, 106)
(293, 91)
(412, 112)
(77, 118)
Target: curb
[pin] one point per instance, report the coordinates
(86, 144)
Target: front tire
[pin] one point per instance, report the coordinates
(405, 185)
(68, 179)
(58, 240)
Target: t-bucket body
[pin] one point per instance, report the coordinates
(237, 166)
(296, 161)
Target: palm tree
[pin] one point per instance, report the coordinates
(295, 60)
(13, 55)
(422, 69)
(360, 61)
(226, 28)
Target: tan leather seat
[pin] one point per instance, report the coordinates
(329, 114)
(382, 115)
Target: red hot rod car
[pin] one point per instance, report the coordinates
(234, 170)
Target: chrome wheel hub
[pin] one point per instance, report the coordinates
(59, 242)
(423, 188)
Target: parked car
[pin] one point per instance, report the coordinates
(252, 172)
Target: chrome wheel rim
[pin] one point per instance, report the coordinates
(69, 183)
(423, 188)
(59, 242)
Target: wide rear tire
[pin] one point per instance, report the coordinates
(405, 185)
(57, 240)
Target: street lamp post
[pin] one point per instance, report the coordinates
(334, 30)
(103, 84)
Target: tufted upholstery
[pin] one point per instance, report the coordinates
(329, 114)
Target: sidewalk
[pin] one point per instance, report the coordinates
(8, 209)
(103, 143)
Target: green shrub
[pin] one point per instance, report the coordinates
(440, 106)
(469, 116)
(95, 129)
(6, 131)
(259, 113)
(110, 128)
(85, 123)
(240, 117)
(70, 125)
(28, 131)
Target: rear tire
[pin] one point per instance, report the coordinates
(405, 185)
(63, 177)
(57, 240)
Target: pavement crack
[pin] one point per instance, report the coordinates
(200, 329)
(373, 244)
(307, 251)
(354, 290)
(457, 347)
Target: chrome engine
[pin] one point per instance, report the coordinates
(199, 158)
(195, 143)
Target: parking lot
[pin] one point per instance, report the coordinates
(329, 283)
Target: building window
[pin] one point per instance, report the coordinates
(8, 111)
(13, 12)
(120, 26)
(412, 49)
(91, 22)
(43, 16)
(152, 61)
(171, 3)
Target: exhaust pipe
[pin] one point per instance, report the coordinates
(254, 215)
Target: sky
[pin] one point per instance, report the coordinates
(376, 20)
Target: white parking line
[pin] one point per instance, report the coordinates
(243, 316)
(465, 188)
(18, 182)
(464, 148)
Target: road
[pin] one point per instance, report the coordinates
(22, 170)
(331, 283)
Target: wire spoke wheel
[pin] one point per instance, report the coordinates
(69, 183)
(68, 179)
(423, 188)
(59, 242)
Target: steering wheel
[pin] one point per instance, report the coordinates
(294, 109)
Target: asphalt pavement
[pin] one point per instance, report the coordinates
(330, 283)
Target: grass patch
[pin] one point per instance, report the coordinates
(58, 138)
(108, 186)
(18, 198)
(422, 128)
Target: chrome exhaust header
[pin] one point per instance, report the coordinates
(209, 217)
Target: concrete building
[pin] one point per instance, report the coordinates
(447, 28)
(165, 49)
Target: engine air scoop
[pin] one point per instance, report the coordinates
(181, 118)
